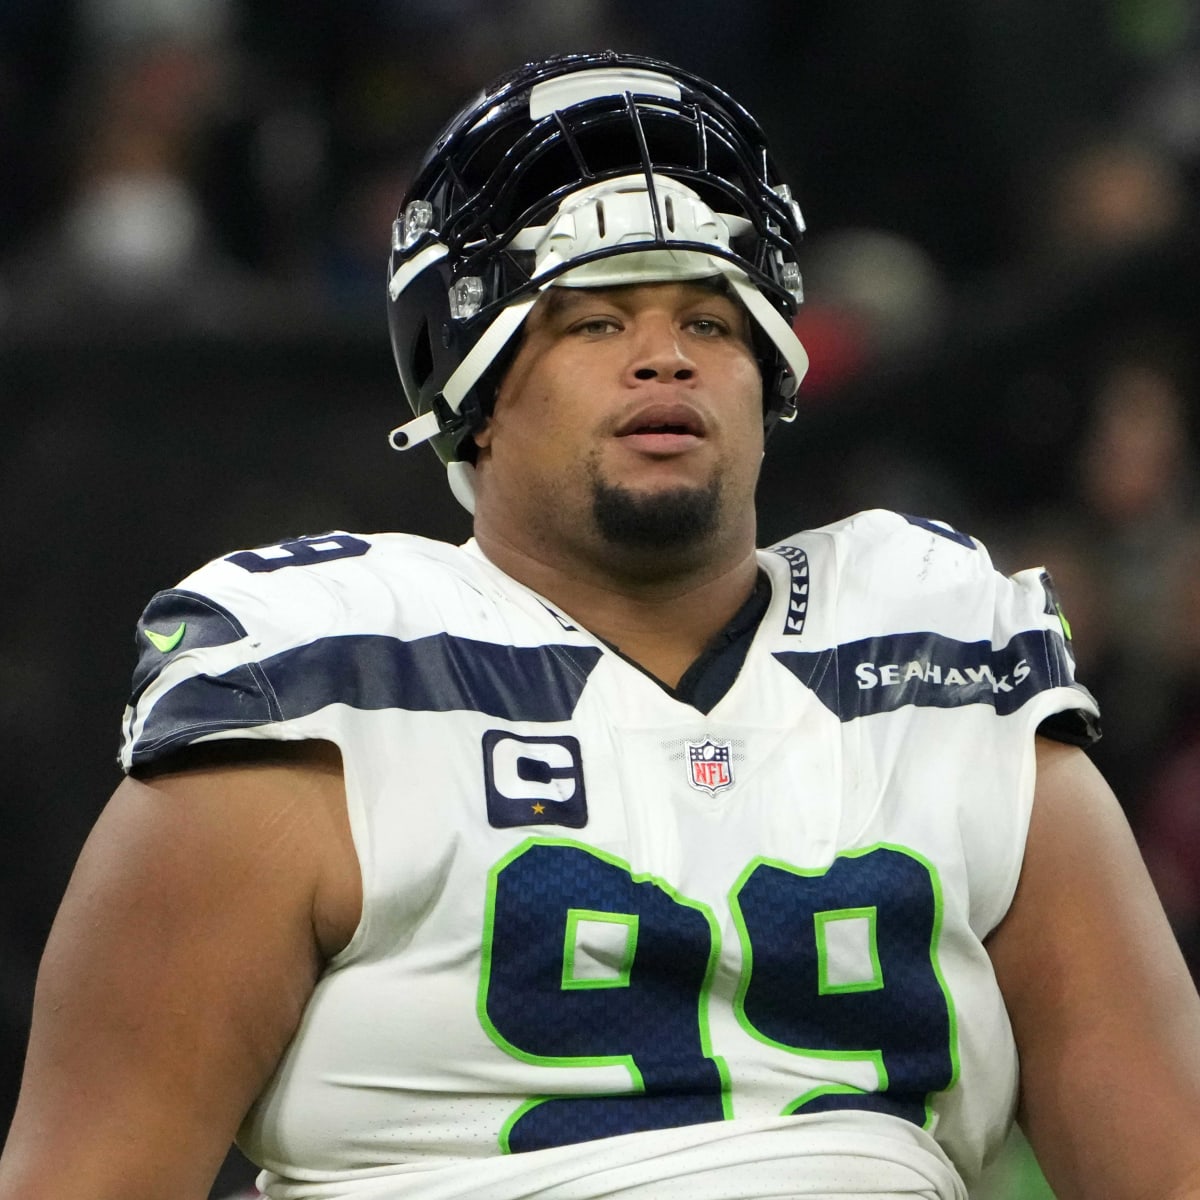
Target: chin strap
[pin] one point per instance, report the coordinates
(466, 376)
(413, 433)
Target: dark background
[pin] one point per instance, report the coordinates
(1002, 275)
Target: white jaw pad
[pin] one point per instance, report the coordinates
(462, 483)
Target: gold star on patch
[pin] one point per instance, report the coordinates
(539, 808)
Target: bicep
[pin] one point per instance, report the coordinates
(1106, 1018)
(175, 974)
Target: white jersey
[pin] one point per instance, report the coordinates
(615, 946)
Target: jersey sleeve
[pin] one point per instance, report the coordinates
(965, 633)
(228, 652)
(920, 619)
(947, 668)
(1072, 715)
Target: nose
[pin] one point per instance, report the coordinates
(659, 354)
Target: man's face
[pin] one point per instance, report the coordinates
(630, 417)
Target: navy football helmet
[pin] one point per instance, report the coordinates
(587, 170)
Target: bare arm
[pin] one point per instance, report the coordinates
(1106, 1017)
(187, 944)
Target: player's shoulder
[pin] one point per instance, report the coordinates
(336, 582)
(881, 570)
(919, 616)
(331, 562)
(895, 550)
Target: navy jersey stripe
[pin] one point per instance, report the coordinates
(929, 670)
(942, 530)
(440, 673)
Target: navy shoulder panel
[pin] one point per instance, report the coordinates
(942, 530)
(178, 620)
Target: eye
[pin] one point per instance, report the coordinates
(596, 326)
(709, 327)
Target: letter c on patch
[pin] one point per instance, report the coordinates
(524, 770)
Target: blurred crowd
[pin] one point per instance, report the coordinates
(1003, 204)
(256, 150)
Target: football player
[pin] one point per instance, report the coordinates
(608, 854)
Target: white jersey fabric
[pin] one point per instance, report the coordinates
(614, 946)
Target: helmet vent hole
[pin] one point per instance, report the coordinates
(422, 356)
(670, 207)
(600, 216)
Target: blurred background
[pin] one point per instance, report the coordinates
(1002, 314)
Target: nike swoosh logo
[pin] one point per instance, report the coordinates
(166, 642)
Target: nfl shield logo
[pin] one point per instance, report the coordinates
(709, 766)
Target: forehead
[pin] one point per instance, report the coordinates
(555, 301)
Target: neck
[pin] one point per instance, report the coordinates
(660, 618)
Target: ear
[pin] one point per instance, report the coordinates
(483, 437)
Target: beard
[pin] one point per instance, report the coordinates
(663, 521)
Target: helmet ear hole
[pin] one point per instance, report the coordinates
(422, 354)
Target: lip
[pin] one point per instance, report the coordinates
(661, 445)
(664, 422)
